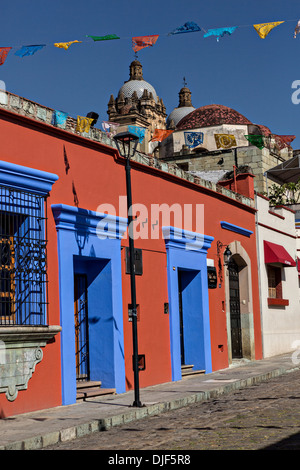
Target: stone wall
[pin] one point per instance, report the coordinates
(258, 160)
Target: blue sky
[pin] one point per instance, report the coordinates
(249, 74)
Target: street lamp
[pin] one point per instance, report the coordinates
(126, 144)
(227, 253)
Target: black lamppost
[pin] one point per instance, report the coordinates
(126, 144)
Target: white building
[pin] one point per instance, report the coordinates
(278, 273)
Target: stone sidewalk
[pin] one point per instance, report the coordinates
(40, 429)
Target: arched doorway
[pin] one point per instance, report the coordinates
(235, 312)
(239, 304)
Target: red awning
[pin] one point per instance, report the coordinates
(277, 254)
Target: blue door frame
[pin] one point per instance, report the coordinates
(89, 242)
(187, 254)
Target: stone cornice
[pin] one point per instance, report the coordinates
(105, 226)
(26, 178)
(186, 240)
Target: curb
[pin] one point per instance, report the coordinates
(74, 432)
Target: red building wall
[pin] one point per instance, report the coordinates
(98, 176)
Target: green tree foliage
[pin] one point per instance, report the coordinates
(287, 193)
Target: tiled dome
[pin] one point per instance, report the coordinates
(212, 115)
(139, 86)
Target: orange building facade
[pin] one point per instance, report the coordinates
(187, 314)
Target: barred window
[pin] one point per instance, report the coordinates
(23, 274)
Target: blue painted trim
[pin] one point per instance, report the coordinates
(236, 228)
(186, 240)
(28, 179)
(90, 240)
(105, 226)
(187, 251)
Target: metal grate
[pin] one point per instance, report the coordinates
(23, 269)
(81, 327)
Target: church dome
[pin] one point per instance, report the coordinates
(184, 108)
(136, 83)
(211, 115)
(137, 86)
(178, 113)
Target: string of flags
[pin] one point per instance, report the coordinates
(192, 139)
(141, 42)
(262, 141)
(226, 141)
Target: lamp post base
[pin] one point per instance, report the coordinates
(137, 404)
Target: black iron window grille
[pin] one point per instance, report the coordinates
(23, 261)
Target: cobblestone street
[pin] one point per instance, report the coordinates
(263, 416)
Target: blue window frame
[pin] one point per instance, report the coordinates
(23, 273)
(23, 243)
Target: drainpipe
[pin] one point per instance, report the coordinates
(259, 275)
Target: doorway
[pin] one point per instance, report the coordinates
(181, 318)
(190, 320)
(235, 313)
(81, 327)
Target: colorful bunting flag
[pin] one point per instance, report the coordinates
(3, 54)
(103, 38)
(188, 27)
(59, 118)
(257, 140)
(225, 141)
(193, 139)
(261, 141)
(220, 32)
(139, 131)
(65, 45)
(263, 29)
(29, 50)
(110, 128)
(160, 134)
(83, 124)
(139, 42)
(283, 141)
(297, 29)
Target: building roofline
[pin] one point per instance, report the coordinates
(32, 114)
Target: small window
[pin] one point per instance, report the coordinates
(274, 283)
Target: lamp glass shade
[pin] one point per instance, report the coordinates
(227, 254)
(126, 144)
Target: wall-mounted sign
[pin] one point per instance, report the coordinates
(138, 261)
(212, 277)
(141, 362)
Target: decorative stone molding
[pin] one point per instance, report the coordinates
(25, 178)
(20, 352)
(236, 228)
(187, 240)
(242, 259)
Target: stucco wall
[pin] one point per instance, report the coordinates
(280, 324)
